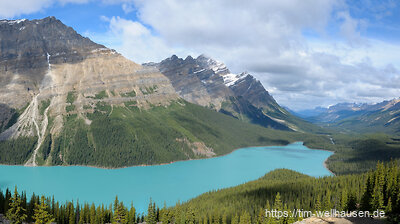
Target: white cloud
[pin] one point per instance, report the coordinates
(127, 8)
(10, 9)
(14, 8)
(134, 41)
(326, 80)
(351, 29)
(234, 23)
(127, 5)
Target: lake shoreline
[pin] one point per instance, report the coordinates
(326, 167)
(182, 181)
(168, 163)
(326, 160)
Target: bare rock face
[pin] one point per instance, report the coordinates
(252, 89)
(194, 81)
(27, 48)
(49, 70)
(207, 82)
(7, 117)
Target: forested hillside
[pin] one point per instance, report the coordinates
(125, 136)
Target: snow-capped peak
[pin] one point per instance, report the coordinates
(11, 22)
(218, 67)
(230, 79)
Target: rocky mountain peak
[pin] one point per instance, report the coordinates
(189, 59)
(173, 58)
(33, 44)
(33, 37)
(45, 62)
(207, 62)
(29, 48)
(208, 82)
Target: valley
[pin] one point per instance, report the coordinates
(82, 123)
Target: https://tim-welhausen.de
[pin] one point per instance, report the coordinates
(326, 214)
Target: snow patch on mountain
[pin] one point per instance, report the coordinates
(220, 68)
(230, 79)
(12, 22)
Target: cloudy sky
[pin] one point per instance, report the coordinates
(307, 53)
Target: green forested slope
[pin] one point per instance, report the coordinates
(288, 190)
(126, 135)
(16, 151)
(360, 153)
(120, 136)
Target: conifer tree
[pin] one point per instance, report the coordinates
(132, 215)
(93, 217)
(224, 219)
(190, 216)
(42, 215)
(245, 218)
(81, 218)
(367, 196)
(343, 200)
(290, 218)
(16, 213)
(318, 205)
(278, 205)
(235, 219)
(151, 214)
(31, 207)
(278, 202)
(71, 219)
(205, 220)
(77, 212)
(165, 215)
(389, 208)
(119, 215)
(351, 202)
(7, 199)
(261, 216)
(327, 201)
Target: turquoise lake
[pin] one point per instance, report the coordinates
(179, 181)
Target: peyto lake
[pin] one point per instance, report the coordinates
(170, 183)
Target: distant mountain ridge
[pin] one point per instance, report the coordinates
(362, 117)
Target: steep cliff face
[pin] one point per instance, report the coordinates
(252, 89)
(27, 48)
(195, 82)
(48, 72)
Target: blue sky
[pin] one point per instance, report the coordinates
(306, 53)
(82, 17)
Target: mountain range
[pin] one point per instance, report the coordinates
(358, 117)
(65, 100)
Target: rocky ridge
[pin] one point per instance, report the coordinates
(207, 82)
